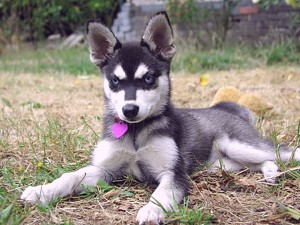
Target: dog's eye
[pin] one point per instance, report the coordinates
(149, 79)
(115, 81)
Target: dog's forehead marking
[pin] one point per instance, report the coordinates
(140, 71)
(119, 72)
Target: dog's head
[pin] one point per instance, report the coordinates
(136, 75)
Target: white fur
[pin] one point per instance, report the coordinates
(160, 154)
(226, 164)
(106, 88)
(140, 71)
(286, 155)
(67, 184)
(243, 153)
(119, 72)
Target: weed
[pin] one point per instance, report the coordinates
(182, 214)
(290, 174)
(283, 53)
(7, 215)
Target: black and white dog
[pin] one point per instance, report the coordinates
(146, 136)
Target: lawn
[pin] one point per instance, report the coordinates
(50, 119)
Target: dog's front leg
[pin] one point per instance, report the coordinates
(166, 195)
(67, 184)
(108, 157)
(161, 158)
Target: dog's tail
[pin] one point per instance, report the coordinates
(237, 110)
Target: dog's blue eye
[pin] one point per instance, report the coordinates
(115, 81)
(148, 79)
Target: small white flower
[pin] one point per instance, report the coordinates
(255, 1)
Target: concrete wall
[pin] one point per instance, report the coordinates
(249, 23)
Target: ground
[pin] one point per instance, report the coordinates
(50, 123)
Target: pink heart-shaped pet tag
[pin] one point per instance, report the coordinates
(119, 129)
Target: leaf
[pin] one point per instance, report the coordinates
(204, 79)
(6, 213)
(111, 193)
(125, 207)
(246, 182)
(6, 102)
(33, 104)
(105, 187)
(294, 213)
(127, 193)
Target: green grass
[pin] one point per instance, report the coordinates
(185, 215)
(15, 176)
(51, 61)
(242, 57)
(76, 60)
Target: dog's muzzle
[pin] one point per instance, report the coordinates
(130, 111)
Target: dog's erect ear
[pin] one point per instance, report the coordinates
(102, 42)
(158, 35)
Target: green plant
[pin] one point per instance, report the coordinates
(193, 15)
(182, 214)
(55, 61)
(282, 53)
(36, 19)
(267, 3)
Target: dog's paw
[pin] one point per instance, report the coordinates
(35, 195)
(270, 171)
(150, 214)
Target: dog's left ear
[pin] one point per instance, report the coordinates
(158, 36)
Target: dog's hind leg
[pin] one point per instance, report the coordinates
(268, 168)
(255, 158)
(245, 153)
(226, 164)
(286, 154)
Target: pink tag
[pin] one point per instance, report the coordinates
(119, 129)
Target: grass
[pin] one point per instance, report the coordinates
(51, 61)
(244, 57)
(76, 60)
(185, 215)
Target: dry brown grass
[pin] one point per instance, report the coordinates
(233, 199)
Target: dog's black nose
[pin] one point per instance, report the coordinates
(130, 110)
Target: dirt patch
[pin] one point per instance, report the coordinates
(233, 199)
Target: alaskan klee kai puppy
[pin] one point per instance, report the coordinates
(146, 136)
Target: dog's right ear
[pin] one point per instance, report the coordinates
(102, 42)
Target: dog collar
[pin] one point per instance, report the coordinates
(119, 128)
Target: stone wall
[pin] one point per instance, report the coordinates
(248, 24)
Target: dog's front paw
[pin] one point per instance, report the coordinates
(150, 214)
(35, 195)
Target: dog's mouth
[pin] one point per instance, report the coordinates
(136, 119)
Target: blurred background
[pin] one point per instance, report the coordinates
(211, 34)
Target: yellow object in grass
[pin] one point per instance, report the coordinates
(39, 164)
(251, 101)
(204, 79)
